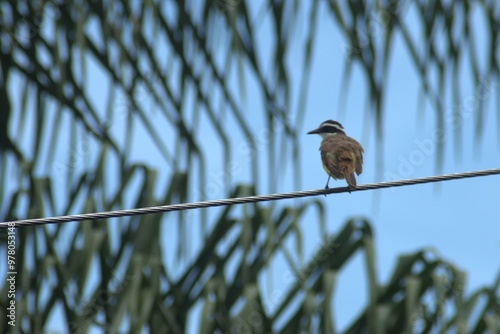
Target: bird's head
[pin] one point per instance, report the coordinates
(328, 128)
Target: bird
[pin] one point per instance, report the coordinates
(341, 155)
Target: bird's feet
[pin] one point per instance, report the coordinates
(326, 187)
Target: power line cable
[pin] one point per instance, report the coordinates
(243, 200)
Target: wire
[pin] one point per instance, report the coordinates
(242, 200)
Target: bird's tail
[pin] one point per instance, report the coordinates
(349, 177)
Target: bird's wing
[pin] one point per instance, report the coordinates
(330, 162)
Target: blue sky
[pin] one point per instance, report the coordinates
(457, 219)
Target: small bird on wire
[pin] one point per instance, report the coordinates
(341, 155)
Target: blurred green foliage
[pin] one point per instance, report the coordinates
(61, 153)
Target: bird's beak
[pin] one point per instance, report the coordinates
(313, 132)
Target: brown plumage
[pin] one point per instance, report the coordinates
(342, 156)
